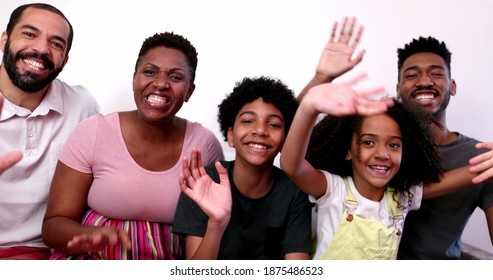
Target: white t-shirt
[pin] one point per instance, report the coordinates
(40, 135)
(331, 208)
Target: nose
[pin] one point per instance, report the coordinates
(425, 80)
(260, 129)
(382, 152)
(161, 80)
(41, 46)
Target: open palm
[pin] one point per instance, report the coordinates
(213, 198)
(337, 56)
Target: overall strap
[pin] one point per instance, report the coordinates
(395, 210)
(350, 198)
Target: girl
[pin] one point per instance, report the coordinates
(367, 172)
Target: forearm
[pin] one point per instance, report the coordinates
(297, 140)
(208, 248)
(58, 231)
(451, 181)
(318, 79)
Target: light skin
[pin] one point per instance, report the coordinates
(153, 136)
(38, 31)
(426, 74)
(257, 136)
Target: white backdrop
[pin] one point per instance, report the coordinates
(282, 39)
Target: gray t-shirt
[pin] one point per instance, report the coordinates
(434, 231)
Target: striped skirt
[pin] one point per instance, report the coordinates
(150, 241)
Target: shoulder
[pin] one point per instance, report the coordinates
(196, 128)
(74, 94)
(98, 120)
(283, 183)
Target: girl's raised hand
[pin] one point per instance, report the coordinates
(342, 99)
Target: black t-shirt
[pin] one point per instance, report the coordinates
(264, 228)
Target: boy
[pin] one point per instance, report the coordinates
(248, 208)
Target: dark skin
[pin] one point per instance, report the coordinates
(153, 136)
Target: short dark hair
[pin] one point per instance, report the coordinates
(250, 89)
(173, 41)
(17, 14)
(422, 44)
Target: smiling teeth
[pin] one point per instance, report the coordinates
(380, 168)
(257, 146)
(425, 97)
(156, 99)
(34, 64)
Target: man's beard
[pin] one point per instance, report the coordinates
(28, 81)
(443, 107)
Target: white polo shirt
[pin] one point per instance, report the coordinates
(40, 135)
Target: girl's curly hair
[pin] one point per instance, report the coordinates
(420, 163)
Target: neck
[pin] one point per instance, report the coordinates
(442, 135)
(252, 181)
(168, 131)
(368, 191)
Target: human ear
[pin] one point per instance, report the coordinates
(453, 87)
(348, 155)
(190, 92)
(230, 137)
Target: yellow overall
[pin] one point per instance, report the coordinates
(358, 238)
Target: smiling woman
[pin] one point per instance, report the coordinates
(134, 157)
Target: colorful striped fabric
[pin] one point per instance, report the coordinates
(150, 241)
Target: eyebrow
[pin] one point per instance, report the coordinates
(158, 68)
(33, 28)
(374, 135)
(253, 113)
(434, 66)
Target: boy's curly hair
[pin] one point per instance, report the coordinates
(250, 89)
(429, 44)
(332, 136)
(173, 41)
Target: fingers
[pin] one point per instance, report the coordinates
(358, 78)
(194, 159)
(358, 58)
(223, 173)
(125, 239)
(342, 33)
(346, 32)
(9, 160)
(200, 164)
(333, 33)
(185, 169)
(358, 36)
(482, 164)
(99, 239)
(483, 176)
